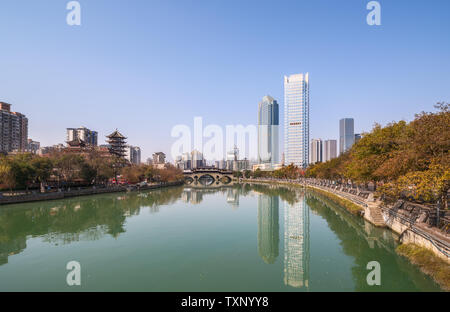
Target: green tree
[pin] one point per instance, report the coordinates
(7, 178)
(43, 168)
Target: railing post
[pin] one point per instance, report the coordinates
(438, 208)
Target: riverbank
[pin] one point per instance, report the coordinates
(430, 252)
(6, 200)
(351, 206)
(428, 263)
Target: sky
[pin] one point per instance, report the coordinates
(144, 66)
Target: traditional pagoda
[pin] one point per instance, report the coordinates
(117, 144)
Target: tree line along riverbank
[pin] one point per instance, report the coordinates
(424, 258)
(405, 160)
(64, 169)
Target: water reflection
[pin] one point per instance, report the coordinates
(72, 220)
(91, 218)
(233, 197)
(196, 195)
(296, 243)
(268, 228)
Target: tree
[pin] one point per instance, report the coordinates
(88, 173)
(429, 185)
(22, 170)
(237, 174)
(43, 168)
(7, 177)
(409, 159)
(68, 166)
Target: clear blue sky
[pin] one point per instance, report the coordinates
(145, 66)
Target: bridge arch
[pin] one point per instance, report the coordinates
(208, 177)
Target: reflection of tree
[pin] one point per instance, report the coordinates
(195, 195)
(364, 243)
(83, 218)
(288, 195)
(11, 247)
(268, 227)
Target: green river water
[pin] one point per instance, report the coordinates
(237, 238)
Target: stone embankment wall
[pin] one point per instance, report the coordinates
(78, 192)
(410, 226)
(418, 233)
(406, 219)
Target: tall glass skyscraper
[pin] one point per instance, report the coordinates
(346, 134)
(268, 124)
(296, 119)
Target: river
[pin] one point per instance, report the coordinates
(236, 238)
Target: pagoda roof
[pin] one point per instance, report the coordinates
(76, 143)
(116, 134)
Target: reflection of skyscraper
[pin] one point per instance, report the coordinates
(186, 196)
(268, 228)
(233, 197)
(192, 196)
(296, 244)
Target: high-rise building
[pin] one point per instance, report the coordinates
(316, 151)
(268, 124)
(296, 119)
(13, 130)
(329, 150)
(87, 136)
(33, 146)
(159, 158)
(133, 154)
(184, 161)
(221, 164)
(232, 156)
(346, 134)
(197, 159)
(186, 158)
(357, 137)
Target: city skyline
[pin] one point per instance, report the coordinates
(73, 76)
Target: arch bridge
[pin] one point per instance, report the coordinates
(208, 177)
